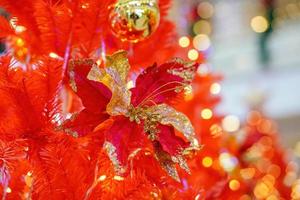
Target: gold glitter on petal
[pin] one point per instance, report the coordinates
(187, 71)
(182, 162)
(119, 63)
(72, 65)
(112, 154)
(116, 82)
(167, 163)
(170, 116)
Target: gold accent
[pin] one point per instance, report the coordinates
(134, 20)
(187, 71)
(182, 162)
(112, 154)
(72, 65)
(169, 116)
(114, 76)
(167, 163)
(119, 62)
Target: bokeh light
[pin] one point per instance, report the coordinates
(193, 54)
(205, 10)
(201, 42)
(184, 41)
(259, 24)
(231, 123)
(297, 149)
(202, 27)
(206, 113)
(207, 161)
(247, 173)
(215, 88)
(234, 185)
(227, 161)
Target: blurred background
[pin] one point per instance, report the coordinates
(255, 45)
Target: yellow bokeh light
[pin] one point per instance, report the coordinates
(184, 41)
(193, 54)
(201, 42)
(259, 24)
(215, 88)
(234, 185)
(202, 27)
(296, 190)
(261, 190)
(207, 161)
(231, 123)
(247, 173)
(206, 113)
(205, 10)
(20, 42)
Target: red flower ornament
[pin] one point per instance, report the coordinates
(141, 117)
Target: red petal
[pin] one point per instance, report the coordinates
(126, 137)
(94, 95)
(84, 122)
(169, 141)
(158, 84)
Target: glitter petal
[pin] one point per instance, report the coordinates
(170, 116)
(112, 154)
(114, 77)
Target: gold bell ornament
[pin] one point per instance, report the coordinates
(134, 20)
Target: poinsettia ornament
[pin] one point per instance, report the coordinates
(141, 117)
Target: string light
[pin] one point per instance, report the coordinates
(184, 41)
(202, 27)
(201, 42)
(231, 123)
(215, 88)
(193, 54)
(259, 24)
(234, 185)
(206, 113)
(207, 161)
(227, 161)
(247, 173)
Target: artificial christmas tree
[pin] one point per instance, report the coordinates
(78, 121)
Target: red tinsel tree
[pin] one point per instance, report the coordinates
(76, 123)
